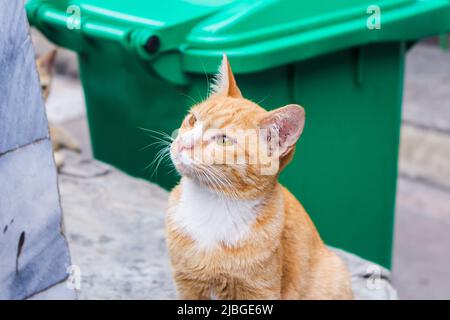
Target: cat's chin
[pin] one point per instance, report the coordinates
(190, 174)
(184, 170)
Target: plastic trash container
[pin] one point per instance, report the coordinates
(142, 62)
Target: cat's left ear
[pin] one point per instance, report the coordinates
(47, 60)
(284, 126)
(224, 82)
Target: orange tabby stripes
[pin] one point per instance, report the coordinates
(233, 231)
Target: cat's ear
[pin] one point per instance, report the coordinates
(224, 82)
(284, 127)
(47, 61)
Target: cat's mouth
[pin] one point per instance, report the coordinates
(182, 161)
(187, 167)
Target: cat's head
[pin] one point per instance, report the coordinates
(44, 66)
(232, 145)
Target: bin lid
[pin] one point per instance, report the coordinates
(255, 34)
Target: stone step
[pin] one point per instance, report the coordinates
(425, 156)
(426, 99)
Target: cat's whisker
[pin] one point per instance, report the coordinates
(199, 94)
(157, 134)
(164, 141)
(157, 143)
(165, 155)
(173, 170)
(152, 162)
(205, 172)
(263, 99)
(162, 155)
(152, 130)
(208, 178)
(219, 184)
(208, 84)
(221, 181)
(194, 102)
(167, 139)
(158, 140)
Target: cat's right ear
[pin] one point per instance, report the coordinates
(284, 127)
(224, 82)
(47, 60)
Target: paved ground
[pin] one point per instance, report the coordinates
(421, 267)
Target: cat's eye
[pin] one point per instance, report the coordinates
(223, 140)
(192, 120)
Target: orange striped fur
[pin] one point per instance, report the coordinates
(232, 232)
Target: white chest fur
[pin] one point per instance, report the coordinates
(210, 219)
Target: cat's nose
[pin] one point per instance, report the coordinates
(186, 142)
(184, 146)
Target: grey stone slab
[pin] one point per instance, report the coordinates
(33, 251)
(34, 254)
(22, 111)
(115, 228)
(369, 280)
(425, 155)
(59, 291)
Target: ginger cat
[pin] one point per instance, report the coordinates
(59, 136)
(233, 231)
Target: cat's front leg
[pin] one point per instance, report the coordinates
(232, 289)
(192, 289)
(258, 294)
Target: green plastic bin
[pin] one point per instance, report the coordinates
(142, 62)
